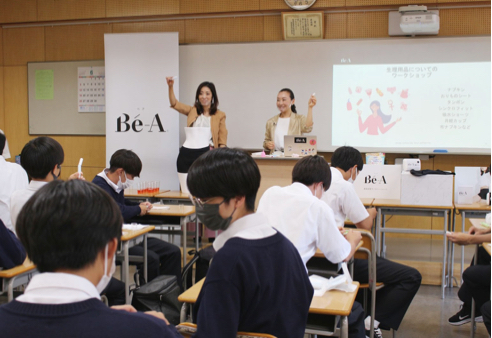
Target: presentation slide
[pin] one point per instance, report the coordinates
(439, 106)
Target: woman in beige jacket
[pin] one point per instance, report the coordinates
(205, 126)
(288, 122)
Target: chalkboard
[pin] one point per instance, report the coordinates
(54, 100)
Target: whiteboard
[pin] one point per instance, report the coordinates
(248, 77)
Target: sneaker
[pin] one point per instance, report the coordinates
(463, 317)
(377, 333)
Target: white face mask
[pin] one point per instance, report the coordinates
(106, 278)
(351, 180)
(124, 185)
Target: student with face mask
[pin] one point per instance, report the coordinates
(257, 281)
(163, 258)
(401, 282)
(75, 266)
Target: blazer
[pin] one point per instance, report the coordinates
(297, 126)
(217, 122)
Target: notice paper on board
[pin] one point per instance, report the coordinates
(91, 89)
(44, 84)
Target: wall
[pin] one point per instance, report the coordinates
(55, 30)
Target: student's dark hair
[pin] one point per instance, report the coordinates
(384, 117)
(291, 94)
(346, 157)
(312, 169)
(64, 225)
(127, 160)
(227, 173)
(3, 140)
(215, 99)
(40, 155)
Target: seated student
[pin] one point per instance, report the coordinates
(255, 266)
(42, 158)
(12, 178)
(70, 231)
(297, 212)
(401, 282)
(12, 252)
(476, 279)
(163, 258)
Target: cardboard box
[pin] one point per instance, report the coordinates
(434, 190)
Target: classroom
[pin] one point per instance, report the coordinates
(34, 33)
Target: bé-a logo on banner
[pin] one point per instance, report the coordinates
(125, 123)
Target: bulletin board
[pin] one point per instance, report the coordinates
(66, 98)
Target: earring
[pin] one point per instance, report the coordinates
(213, 100)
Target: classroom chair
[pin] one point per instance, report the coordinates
(17, 276)
(188, 329)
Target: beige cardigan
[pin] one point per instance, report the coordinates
(217, 122)
(297, 126)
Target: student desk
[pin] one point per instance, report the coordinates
(174, 197)
(16, 276)
(324, 312)
(475, 210)
(183, 212)
(394, 207)
(124, 256)
(132, 194)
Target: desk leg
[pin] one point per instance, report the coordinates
(383, 236)
(125, 271)
(451, 258)
(183, 226)
(145, 262)
(197, 234)
(344, 327)
(463, 218)
(10, 292)
(378, 234)
(184, 309)
(444, 257)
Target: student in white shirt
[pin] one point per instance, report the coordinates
(71, 231)
(41, 158)
(12, 178)
(299, 214)
(401, 282)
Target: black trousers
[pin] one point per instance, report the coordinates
(486, 315)
(392, 301)
(356, 322)
(162, 259)
(476, 282)
(115, 292)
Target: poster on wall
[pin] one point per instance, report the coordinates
(138, 116)
(91, 89)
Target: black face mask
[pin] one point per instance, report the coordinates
(209, 215)
(53, 174)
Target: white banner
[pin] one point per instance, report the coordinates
(138, 116)
(379, 181)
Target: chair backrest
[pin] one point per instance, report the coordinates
(189, 329)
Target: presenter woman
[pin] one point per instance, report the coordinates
(376, 120)
(205, 126)
(288, 122)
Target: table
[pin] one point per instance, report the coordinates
(133, 195)
(476, 210)
(183, 212)
(332, 305)
(486, 246)
(174, 197)
(124, 256)
(394, 207)
(16, 276)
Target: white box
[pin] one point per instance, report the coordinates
(426, 190)
(379, 181)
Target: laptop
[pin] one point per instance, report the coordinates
(300, 145)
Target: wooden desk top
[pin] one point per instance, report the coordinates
(24, 267)
(173, 194)
(367, 201)
(131, 234)
(318, 252)
(486, 246)
(379, 202)
(474, 206)
(174, 210)
(133, 193)
(331, 303)
(477, 222)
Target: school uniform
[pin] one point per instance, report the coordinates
(309, 224)
(401, 282)
(66, 305)
(257, 282)
(162, 258)
(13, 177)
(12, 253)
